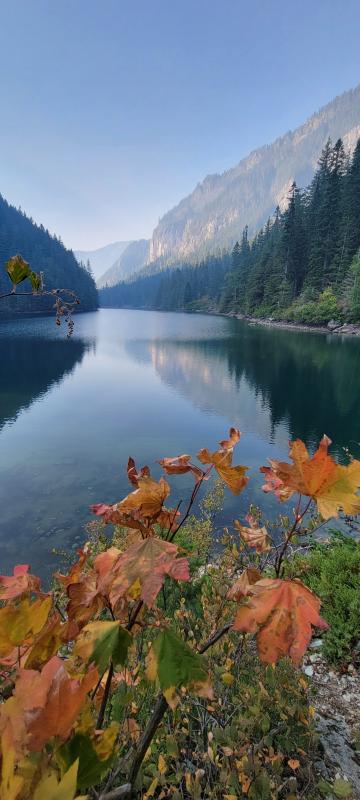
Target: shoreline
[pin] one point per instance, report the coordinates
(345, 329)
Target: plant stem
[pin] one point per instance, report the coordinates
(215, 637)
(146, 737)
(298, 518)
(100, 718)
(191, 503)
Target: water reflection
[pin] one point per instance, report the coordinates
(278, 384)
(155, 384)
(30, 367)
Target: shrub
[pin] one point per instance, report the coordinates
(333, 572)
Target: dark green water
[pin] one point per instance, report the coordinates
(152, 384)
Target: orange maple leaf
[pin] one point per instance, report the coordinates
(179, 465)
(282, 614)
(234, 477)
(50, 701)
(19, 583)
(331, 485)
(134, 475)
(147, 500)
(242, 587)
(145, 565)
(254, 536)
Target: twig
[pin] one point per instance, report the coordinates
(146, 737)
(215, 637)
(121, 793)
(100, 719)
(292, 531)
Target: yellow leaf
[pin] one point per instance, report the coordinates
(19, 622)
(331, 485)
(162, 764)
(152, 789)
(105, 741)
(50, 788)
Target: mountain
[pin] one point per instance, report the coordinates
(132, 259)
(213, 215)
(102, 258)
(45, 253)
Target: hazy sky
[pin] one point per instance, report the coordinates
(112, 110)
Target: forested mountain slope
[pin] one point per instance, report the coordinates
(303, 265)
(131, 260)
(45, 253)
(211, 216)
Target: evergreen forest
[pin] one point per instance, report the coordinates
(302, 266)
(45, 253)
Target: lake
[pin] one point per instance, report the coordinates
(152, 384)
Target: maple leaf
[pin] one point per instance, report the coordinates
(282, 614)
(46, 644)
(254, 536)
(19, 583)
(134, 475)
(331, 485)
(50, 700)
(49, 788)
(173, 665)
(146, 565)
(242, 587)
(179, 465)
(75, 570)
(18, 623)
(147, 500)
(234, 438)
(85, 600)
(101, 641)
(11, 737)
(112, 515)
(234, 477)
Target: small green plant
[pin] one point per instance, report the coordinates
(333, 572)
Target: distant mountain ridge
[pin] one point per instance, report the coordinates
(102, 258)
(213, 215)
(132, 259)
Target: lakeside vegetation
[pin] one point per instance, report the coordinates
(302, 266)
(105, 684)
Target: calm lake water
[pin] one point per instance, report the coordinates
(151, 384)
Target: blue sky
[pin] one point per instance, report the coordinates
(112, 110)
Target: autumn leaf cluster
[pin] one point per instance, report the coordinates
(64, 653)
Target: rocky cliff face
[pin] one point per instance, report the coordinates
(215, 213)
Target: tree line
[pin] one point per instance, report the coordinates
(303, 264)
(45, 253)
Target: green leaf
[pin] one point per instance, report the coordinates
(173, 664)
(324, 787)
(17, 269)
(101, 641)
(91, 768)
(35, 280)
(342, 788)
(260, 788)
(171, 746)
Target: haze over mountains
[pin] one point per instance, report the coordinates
(102, 258)
(213, 215)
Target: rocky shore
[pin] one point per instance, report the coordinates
(333, 326)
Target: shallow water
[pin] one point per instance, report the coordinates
(151, 384)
